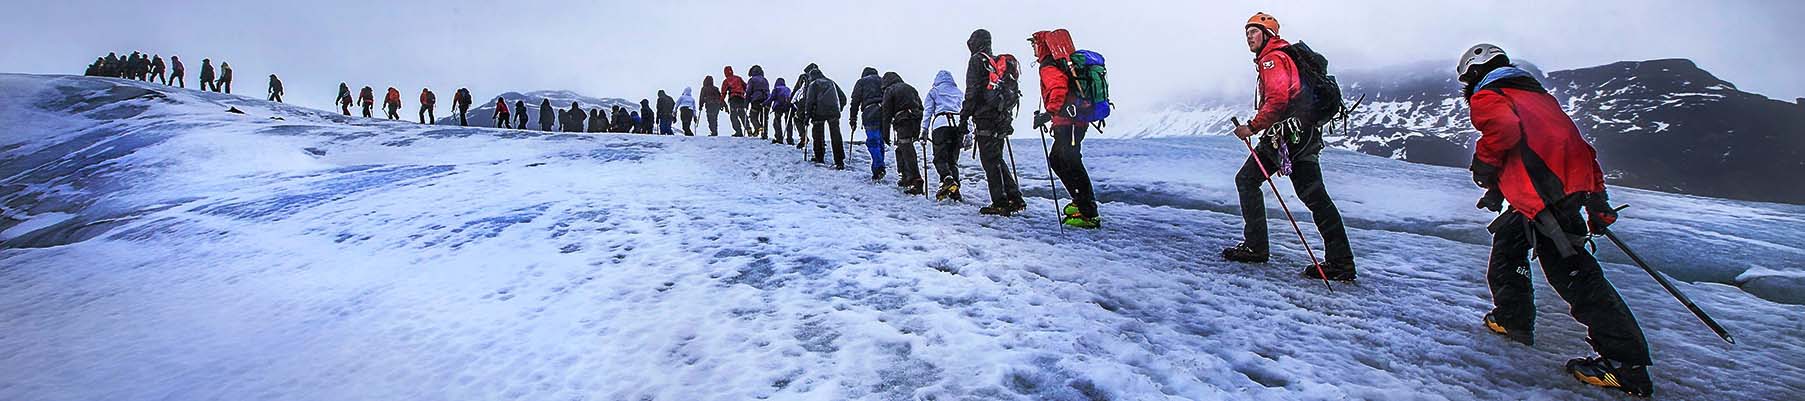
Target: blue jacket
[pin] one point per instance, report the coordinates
(780, 96)
(944, 97)
(758, 90)
(686, 101)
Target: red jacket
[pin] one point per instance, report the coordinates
(1278, 84)
(732, 84)
(394, 97)
(428, 99)
(501, 106)
(1053, 91)
(1530, 147)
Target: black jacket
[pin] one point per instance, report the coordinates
(866, 94)
(645, 115)
(901, 107)
(977, 72)
(546, 114)
(824, 97)
(711, 94)
(667, 107)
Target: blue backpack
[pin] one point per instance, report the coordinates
(1091, 79)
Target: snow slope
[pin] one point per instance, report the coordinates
(159, 248)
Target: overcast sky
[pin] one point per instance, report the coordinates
(1158, 50)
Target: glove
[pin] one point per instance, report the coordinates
(1599, 214)
(1041, 119)
(1493, 200)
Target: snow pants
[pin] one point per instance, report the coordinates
(1610, 327)
(783, 135)
(736, 114)
(874, 143)
(821, 143)
(997, 173)
(1306, 179)
(947, 141)
(908, 159)
(689, 120)
(714, 120)
(426, 114)
(1067, 160)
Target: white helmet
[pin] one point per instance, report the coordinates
(1477, 55)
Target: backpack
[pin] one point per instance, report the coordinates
(1319, 89)
(1002, 94)
(1091, 79)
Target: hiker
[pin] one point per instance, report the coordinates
(501, 114)
(94, 69)
(344, 98)
(176, 72)
(712, 103)
(225, 78)
(157, 70)
(207, 83)
(595, 122)
(1058, 92)
(520, 113)
(391, 104)
(428, 102)
(779, 104)
(758, 93)
(1283, 122)
(825, 99)
(667, 113)
(987, 112)
(686, 110)
(939, 108)
(867, 94)
(275, 89)
(546, 114)
(576, 118)
(461, 102)
(643, 124)
(799, 113)
(366, 98)
(735, 89)
(899, 110)
(1531, 154)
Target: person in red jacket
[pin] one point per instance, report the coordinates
(501, 114)
(1531, 154)
(366, 98)
(735, 89)
(391, 104)
(1288, 145)
(1066, 158)
(428, 101)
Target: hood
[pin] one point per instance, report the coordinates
(685, 92)
(810, 67)
(944, 78)
(708, 81)
(979, 41)
(869, 71)
(780, 82)
(727, 71)
(756, 71)
(891, 78)
(816, 74)
(661, 93)
(645, 103)
(545, 103)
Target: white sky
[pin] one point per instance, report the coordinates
(1157, 49)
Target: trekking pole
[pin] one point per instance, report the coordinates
(1696, 312)
(1275, 193)
(1051, 183)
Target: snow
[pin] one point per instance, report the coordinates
(34, 223)
(222, 256)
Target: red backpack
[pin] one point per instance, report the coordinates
(1002, 94)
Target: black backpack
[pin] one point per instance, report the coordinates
(1002, 93)
(1320, 96)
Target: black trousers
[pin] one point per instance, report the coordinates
(908, 158)
(1610, 327)
(688, 116)
(823, 126)
(947, 141)
(462, 111)
(1067, 160)
(714, 120)
(757, 120)
(997, 174)
(1306, 179)
(736, 114)
(367, 107)
(783, 134)
(394, 112)
(426, 114)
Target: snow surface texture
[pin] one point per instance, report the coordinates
(159, 248)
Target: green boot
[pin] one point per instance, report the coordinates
(1078, 221)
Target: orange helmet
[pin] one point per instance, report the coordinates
(1264, 21)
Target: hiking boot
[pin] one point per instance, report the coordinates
(877, 175)
(1343, 271)
(839, 166)
(1017, 206)
(1244, 254)
(1079, 221)
(1601, 372)
(948, 190)
(914, 188)
(996, 210)
(1522, 336)
(1071, 209)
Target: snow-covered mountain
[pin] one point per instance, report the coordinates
(155, 246)
(1661, 124)
(482, 114)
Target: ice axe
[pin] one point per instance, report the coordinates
(1671, 290)
(1275, 193)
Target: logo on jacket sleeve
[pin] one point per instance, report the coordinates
(1266, 65)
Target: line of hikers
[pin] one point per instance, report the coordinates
(1529, 153)
(151, 68)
